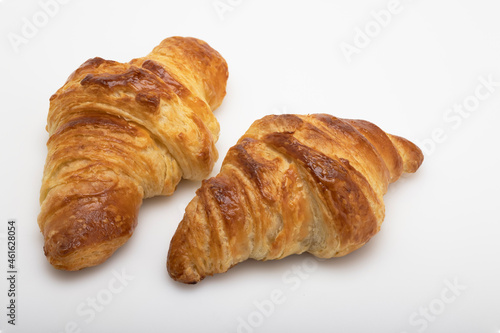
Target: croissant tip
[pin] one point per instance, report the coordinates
(67, 256)
(185, 277)
(182, 271)
(415, 159)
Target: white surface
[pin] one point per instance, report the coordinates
(441, 224)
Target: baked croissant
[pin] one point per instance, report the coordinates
(121, 132)
(292, 184)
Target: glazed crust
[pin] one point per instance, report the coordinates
(121, 132)
(292, 184)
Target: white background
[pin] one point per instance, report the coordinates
(441, 225)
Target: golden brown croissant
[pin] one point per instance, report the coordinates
(292, 183)
(121, 132)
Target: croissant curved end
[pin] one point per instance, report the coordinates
(183, 271)
(74, 259)
(411, 154)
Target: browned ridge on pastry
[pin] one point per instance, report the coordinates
(292, 184)
(121, 132)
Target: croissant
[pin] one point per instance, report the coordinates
(122, 132)
(292, 184)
